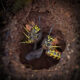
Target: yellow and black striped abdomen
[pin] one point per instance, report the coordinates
(54, 54)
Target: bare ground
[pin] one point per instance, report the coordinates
(63, 16)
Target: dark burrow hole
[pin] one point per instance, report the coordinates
(44, 62)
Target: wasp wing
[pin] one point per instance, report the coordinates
(34, 54)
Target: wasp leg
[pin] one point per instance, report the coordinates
(26, 30)
(59, 56)
(35, 46)
(26, 42)
(55, 46)
(51, 30)
(39, 21)
(26, 35)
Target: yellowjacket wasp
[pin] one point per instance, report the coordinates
(49, 44)
(33, 33)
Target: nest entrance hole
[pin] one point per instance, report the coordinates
(44, 62)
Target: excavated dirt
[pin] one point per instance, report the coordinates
(62, 16)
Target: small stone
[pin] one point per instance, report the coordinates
(68, 45)
(72, 51)
(73, 39)
(59, 67)
(68, 56)
(55, 68)
(22, 66)
(69, 52)
(68, 48)
(32, 75)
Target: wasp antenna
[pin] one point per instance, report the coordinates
(34, 21)
(39, 21)
(23, 42)
(35, 46)
(56, 46)
(51, 30)
(32, 25)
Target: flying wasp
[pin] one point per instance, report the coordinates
(49, 42)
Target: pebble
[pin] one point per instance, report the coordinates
(32, 75)
(59, 67)
(22, 67)
(69, 52)
(68, 45)
(72, 51)
(67, 48)
(68, 56)
(55, 68)
(73, 39)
